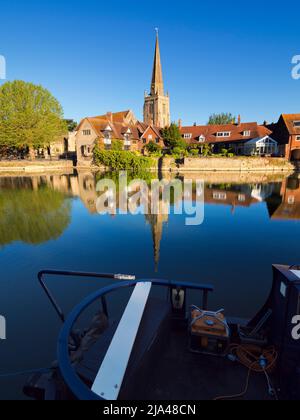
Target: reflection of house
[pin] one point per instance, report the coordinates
(233, 196)
(106, 129)
(287, 133)
(286, 204)
(241, 138)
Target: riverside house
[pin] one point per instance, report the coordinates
(287, 133)
(105, 129)
(249, 139)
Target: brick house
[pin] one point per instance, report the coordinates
(240, 138)
(287, 134)
(121, 126)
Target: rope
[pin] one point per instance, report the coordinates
(256, 360)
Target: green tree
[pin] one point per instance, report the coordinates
(207, 150)
(30, 117)
(117, 145)
(219, 119)
(71, 125)
(173, 138)
(153, 148)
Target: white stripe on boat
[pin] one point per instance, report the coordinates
(110, 377)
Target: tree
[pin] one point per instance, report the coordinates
(153, 148)
(173, 138)
(219, 119)
(30, 117)
(71, 125)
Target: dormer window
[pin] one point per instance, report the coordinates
(201, 139)
(224, 134)
(187, 136)
(296, 124)
(86, 132)
(247, 133)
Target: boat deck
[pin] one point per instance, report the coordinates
(182, 375)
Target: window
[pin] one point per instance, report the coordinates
(291, 199)
(150, 137)
(247, 133)
(201, 139)
(157, 141)
(297, 124)
(86, 132)
(219, 196)
(224, 134)
(144, 141)
(298, 138)
(187, 136)
(241, 198)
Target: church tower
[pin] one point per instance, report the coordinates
(157, 103)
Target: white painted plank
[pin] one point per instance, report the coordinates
(112, 371)
(296, 272)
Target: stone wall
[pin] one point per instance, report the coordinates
(35, 166)
(237, 164)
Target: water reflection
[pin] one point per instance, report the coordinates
(37, 209)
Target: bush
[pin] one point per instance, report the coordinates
(117, 145)
(194, 152)
(153, 148)
(121, 160)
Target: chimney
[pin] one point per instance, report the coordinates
(180, 123)
(239, 120)
(110, 116)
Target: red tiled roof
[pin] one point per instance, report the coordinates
(289, 122)
(116, 116)
(236, 132)
(100, 124)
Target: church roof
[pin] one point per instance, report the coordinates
(157, 84)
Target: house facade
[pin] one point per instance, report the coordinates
(242, 138)
(105, 129)
(287, 134)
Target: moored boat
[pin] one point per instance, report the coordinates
(168, 344)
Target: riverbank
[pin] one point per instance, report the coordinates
(38, 166)
(235, 164)
(166, 164)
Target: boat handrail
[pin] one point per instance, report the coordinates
(65, 273)
(79, 389)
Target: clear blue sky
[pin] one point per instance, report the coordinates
(217, 56)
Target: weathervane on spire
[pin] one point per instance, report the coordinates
(156, 30)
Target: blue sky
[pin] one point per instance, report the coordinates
(217, 56)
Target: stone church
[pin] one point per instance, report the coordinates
(157, 103)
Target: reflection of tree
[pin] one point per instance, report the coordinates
(33, 217)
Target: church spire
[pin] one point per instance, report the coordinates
(157, 85)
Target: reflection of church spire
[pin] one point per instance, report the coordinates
(157, 225)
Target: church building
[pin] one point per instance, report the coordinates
(157, 103)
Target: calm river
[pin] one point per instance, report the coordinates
(51, 222)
